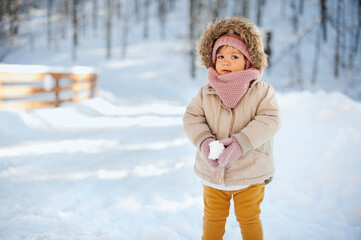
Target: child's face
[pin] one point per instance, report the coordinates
(229, 59)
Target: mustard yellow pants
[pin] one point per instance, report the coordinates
(246, 206)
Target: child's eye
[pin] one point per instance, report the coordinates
(220, 57)
(235, 57)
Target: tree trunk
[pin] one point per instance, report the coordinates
(109, 28)
(301, 7)
(344, 35)
(29, 5)
(259, 12)
(297, 67)
(13, 7)
(136, 10)
(338, 31)
(283, 8)
(245, 8)
(95, 15)
(75, 28)
(64, 17)
(146, 19)
(119, 9)
(324, 18)
(316, 55)
(125, 30)
(216, 9)
(171, 5)
(355, 44)
(49, 8)
(83, 22)
(268, 49)
(192, 26)
(2, 11)
(161, 14)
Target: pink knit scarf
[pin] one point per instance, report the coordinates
(232, 86)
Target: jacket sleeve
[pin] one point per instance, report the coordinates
(265, 123)
(195, 122)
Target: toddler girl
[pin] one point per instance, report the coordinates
(241, 112)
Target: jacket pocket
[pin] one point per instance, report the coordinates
(264, 149)
(253, 164)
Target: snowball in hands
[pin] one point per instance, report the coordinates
(215, 150)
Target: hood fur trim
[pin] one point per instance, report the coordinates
(248, 31)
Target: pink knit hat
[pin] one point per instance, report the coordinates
(234, 41)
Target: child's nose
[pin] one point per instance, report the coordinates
(225, 63)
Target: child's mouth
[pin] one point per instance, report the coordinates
(226, 71)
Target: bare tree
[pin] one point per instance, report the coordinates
(2, 11)
(137, 10)
(75, 28)
(301, 6)
(192, 26)
(162, 16)
(316, 55)
(259, 8)
(245, 8)
(83, 15)
(324, 18)
(109, 27)
(64, 17)
(296, 68)
(49, 8)
(171, 4)
(283, 7)
(216, 9)
(268, 48)
(125, 30)
(3, 37)
(28, 6)
(241, 8)
(355, 45)
(338, 31)
(260, 5)
(118, 9)
(12, 9)
(95, 15)
(146, 19)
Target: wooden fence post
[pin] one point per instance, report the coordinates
(75, 82)
(0, 88)
(93, 85)
(57, 89)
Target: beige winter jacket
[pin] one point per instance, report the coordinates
(253, 122)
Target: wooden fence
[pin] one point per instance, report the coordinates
(28, 90)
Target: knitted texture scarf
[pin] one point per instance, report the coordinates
(232, 86)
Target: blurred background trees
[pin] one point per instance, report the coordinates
(334, 23)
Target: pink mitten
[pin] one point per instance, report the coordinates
(205, 151)
(232, 152)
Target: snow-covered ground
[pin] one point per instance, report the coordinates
(119, 166)
(102, 170)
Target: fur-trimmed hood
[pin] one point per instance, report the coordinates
(248, 31)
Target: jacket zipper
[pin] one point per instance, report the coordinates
(230, 132)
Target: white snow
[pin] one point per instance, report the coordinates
(136, 181)
(18, 68)
(119, 166)
(215, 150)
